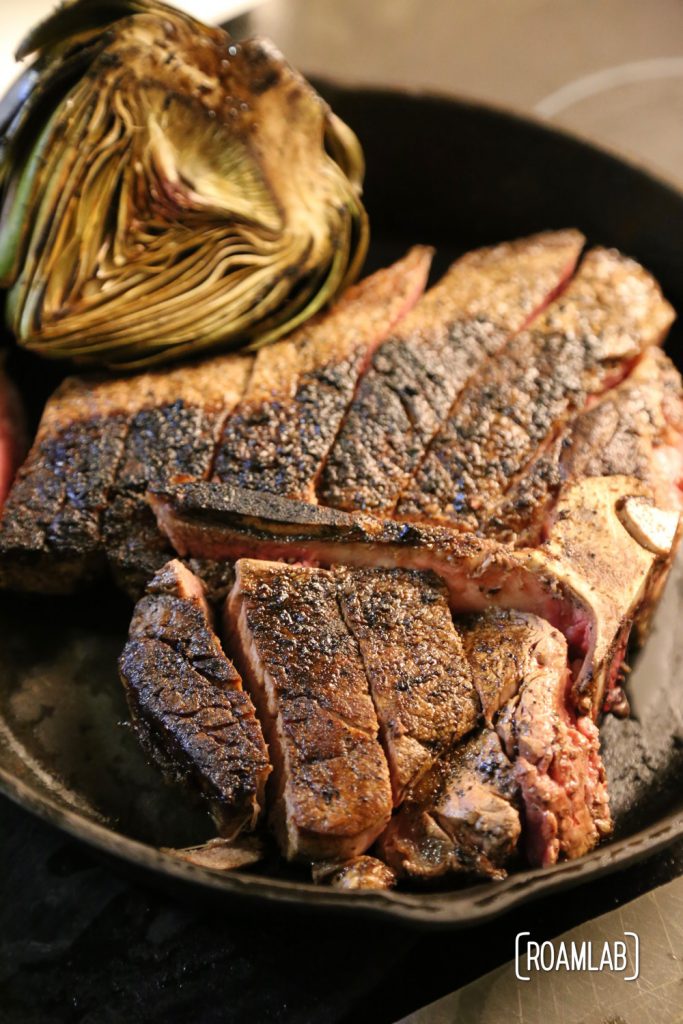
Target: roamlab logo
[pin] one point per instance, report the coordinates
(619, 956)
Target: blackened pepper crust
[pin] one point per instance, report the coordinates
(187, 701)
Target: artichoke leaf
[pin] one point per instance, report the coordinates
(75, 18)
(184, 192)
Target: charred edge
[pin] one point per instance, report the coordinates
(264, 516)
(72, 538)
(167, 752)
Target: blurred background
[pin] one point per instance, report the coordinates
(611, 70)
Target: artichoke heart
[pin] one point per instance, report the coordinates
(166, 190)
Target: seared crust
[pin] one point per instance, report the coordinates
(100, 443)
(635, 430)
(461, 818)
(485, 298)
(187, 702)
(535, 754)
(499, 645)
(419, 678)
(331, 793)
(51, 522)
(161, 444)
(211, 520)
(278, 437)
(173, 436)
(611, 311)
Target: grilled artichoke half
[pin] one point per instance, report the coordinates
(166, 190)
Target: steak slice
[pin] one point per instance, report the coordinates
(464, 815)
(596, 572)
(499, 645)
(486, 297)
(279, 435)
(461, 817)
(187, 703)
(50, 527)
(635, 430)
(581, 345)
(172, 436)
(556, 753)
(100, 443)
(536, 753)
(332, 795)
(419, 678)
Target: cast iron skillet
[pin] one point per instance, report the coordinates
(453, 174)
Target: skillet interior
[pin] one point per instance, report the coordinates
(455, 175)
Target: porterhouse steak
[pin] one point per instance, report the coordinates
(446, 515)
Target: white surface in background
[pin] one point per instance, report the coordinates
(588, 86)
(17, 17)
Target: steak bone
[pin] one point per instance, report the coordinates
(591, 578)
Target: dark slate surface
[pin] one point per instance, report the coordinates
(82, 944)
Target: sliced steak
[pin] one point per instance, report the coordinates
(173, 436)
(635, 430)
(100, 443)
(591, 577)
(331, 792)
(187, 703)
(278, 437)
(582, 344)
(419, 678)
(556, 753)
(499, 646)
(485, 298)
(536, 754)
(50, 527)
(461, 817)
(464, 815)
